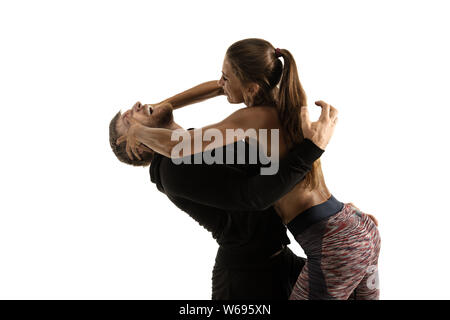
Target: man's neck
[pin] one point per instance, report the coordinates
(174, 126)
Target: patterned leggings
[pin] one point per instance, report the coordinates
(342, 258)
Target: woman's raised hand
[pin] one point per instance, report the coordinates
(321, 131)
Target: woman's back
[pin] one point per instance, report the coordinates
(301, 197)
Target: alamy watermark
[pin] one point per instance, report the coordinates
(181, 152)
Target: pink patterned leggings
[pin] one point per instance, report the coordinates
(342, 258)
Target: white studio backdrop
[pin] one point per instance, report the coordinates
(77, 224)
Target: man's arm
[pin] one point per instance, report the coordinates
(229, 189)
(222, 187)
(212, 219)
(196, 94)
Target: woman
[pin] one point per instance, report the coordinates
(341, 243)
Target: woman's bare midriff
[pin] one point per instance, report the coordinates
(298, 200)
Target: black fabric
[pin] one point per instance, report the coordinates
(234, 203)
(243, 236)
(227, 188)
(314, 214)
(273, 280)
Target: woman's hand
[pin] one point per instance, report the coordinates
(321, 131)
(133, 145)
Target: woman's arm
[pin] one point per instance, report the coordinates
(196, 94)
(164, 140)
(225, 188)
(160, 139)
(222, 187)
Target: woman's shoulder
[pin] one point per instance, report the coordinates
(262, 111)
(269, 113)
(256, 117)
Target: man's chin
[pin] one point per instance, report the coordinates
(163, 115)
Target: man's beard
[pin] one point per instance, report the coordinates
(163, 116)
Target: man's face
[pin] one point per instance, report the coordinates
(147, 115)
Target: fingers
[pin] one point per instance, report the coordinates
(136, 153)
(128, 150)
(143, 148)
(133, 147)
(132, 150)
(333, 113)
(121, 139)
(325, 114)
(328, 112)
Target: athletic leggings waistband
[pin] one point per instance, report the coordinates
(314, 214)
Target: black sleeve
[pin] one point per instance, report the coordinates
(224, 187)
(212, 219)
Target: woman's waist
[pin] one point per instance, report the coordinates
(299, 201)
(312, 215)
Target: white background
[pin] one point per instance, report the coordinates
(75, 223)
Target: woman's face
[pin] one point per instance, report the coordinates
(231, 85)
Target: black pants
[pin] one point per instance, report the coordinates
(272, 280)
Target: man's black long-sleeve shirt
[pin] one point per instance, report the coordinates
(233, 201)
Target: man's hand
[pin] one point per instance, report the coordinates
(321, 131)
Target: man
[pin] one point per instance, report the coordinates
(253, 261)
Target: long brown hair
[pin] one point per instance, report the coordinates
(256, 61)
